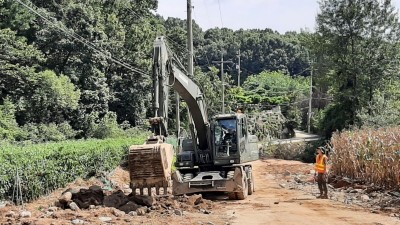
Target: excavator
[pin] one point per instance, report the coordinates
(216, 156)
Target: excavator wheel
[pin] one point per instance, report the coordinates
(245, 190)
(243, 193)
(250, 183)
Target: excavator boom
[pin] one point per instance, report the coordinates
(150, 163)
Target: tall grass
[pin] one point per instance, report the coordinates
(369, 155)
(45, 167)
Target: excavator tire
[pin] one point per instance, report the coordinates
(150, 167)
(243, 193)
(250, 183)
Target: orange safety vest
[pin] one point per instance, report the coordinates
(319, 165)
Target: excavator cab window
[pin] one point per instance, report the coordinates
(226, 136)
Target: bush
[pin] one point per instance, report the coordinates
(371, 155)
(45, 167)
(8, 126)
(107, 127)
(38, 133)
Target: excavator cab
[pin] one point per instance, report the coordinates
(232, 142)
(232, 148)
(225, 137)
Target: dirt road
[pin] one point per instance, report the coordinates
(272, 204)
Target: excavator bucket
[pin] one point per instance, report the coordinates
(150, 166)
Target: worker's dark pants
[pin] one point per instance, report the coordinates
(322, 184)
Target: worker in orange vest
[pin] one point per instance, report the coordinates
(321, 172)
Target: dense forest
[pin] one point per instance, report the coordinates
(82, 69)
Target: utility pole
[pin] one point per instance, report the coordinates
(222, 78)
(190, 61)
(310, 102)
(238, 68)
(190, 37)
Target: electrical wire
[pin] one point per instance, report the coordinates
(175, 57)
(220, 13)
(207, 12)
(83, 40)
(194, 54)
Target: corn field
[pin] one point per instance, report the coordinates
(43, 168)
(369, 155)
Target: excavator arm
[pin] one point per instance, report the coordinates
(167, 74)
(150, 164)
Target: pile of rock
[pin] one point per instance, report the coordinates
(95, 197)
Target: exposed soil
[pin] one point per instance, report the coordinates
(284, 194)
(274, 202)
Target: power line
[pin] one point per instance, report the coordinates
(208, 15)
(195, 57)
(175, 57)
(220, 14)
(83, 40)
(181, 47)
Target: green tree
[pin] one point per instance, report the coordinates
(51, 98)
(274, 88)
(360, 39)
(384, 110)
(271, 89)
(8, 125)
(19, 61)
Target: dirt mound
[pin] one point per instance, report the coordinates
(95, 196)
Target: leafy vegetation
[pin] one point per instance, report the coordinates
(43, 168)
(65, 74)
(357, 56)
(65, 66)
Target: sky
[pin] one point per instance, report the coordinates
(278, 15)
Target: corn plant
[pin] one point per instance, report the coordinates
(369, 155)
